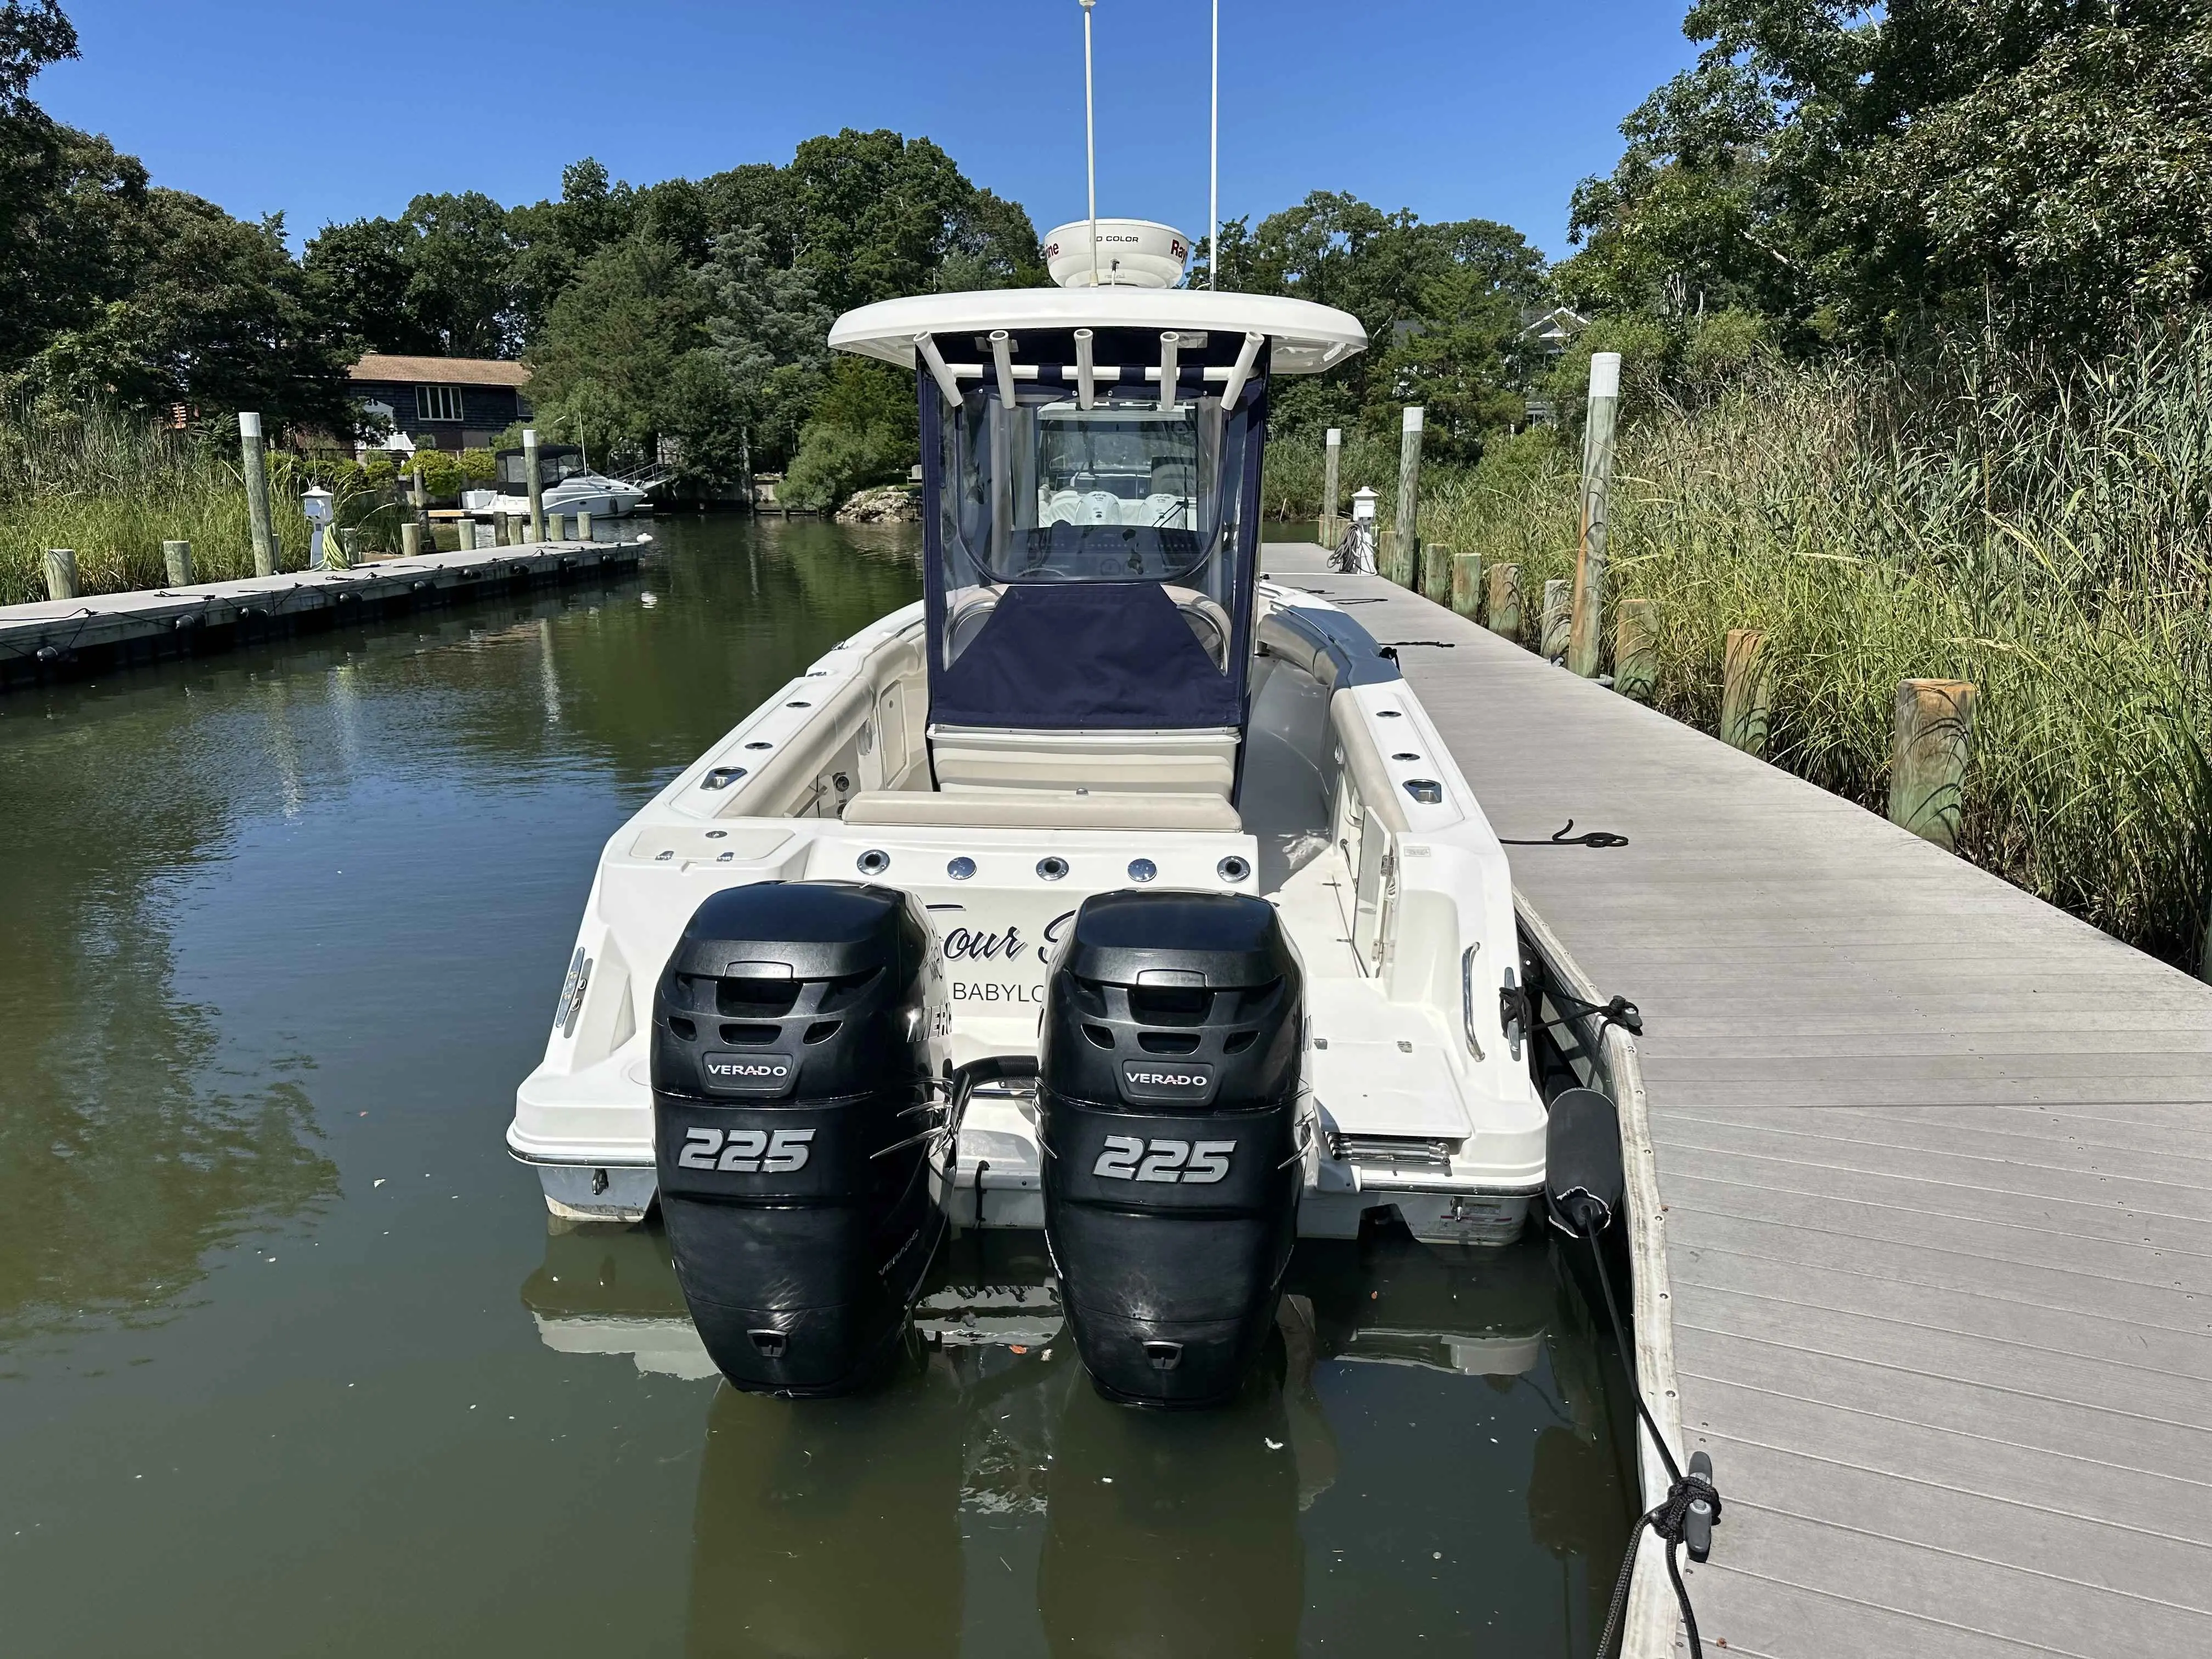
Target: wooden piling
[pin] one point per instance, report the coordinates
(1557, 623)
(176, 563)
(536, 484)
(61, 573)
(583, 527)
(1436, 574)
(1583, 650)
(1409, 492)
(556, 527)
(256, 467)
(1932, 741)
(1466, 584)
(502, 530)
(1635, 649)
(1505, 600)
(410, 539)
(1332, 527)
(1747, 689)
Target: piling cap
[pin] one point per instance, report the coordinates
(1605, 374)
(1413, 413)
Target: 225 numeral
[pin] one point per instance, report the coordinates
(746, 1152)
(1200, 1164)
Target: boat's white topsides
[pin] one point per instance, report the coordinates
(1096, 695)
(1352, 819)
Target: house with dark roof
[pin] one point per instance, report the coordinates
(443, 403)
(1552, 331)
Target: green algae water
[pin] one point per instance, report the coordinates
(291, 1363)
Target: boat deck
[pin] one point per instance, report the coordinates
(54, 638)
(1936, 1166)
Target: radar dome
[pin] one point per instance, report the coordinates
(1132, 253)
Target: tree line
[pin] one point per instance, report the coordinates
(1882, 175)
(1830, 176)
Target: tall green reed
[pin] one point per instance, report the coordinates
(2045, 532)
(1295, 469)
(113, 485)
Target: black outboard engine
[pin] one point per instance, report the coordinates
(798, 1147)
(1168, 1107)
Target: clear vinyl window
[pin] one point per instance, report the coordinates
(1124, 491)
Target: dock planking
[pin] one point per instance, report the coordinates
(59, 637)
(1934, 1158)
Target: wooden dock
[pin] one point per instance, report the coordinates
(57, 638)
(1936, 1162)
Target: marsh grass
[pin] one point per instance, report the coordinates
(1296, 470)
(114, 486)
(2042, 533)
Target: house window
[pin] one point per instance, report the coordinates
(437, 402)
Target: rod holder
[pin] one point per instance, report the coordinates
(1170, 345)
(1086, 371)
(1002, 358)
(1246, 358)
(939, 371)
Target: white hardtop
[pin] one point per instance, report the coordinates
(1306, 337)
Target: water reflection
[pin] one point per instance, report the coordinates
(832, 1528)
(874, 1525)
(1175, 1535)
(125, 1153)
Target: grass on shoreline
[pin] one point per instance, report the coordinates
(114, 486)
(2044, 535)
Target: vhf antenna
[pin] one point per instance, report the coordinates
(1213, 174)
(1090, 141)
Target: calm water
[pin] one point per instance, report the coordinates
(288, 1361)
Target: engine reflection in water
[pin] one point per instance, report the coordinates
(831, 1527)
(1176, 1532)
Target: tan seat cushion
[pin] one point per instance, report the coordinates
(1042, 809)
(1201, 762)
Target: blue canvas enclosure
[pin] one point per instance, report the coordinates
(1114, 655)
(1091, 568)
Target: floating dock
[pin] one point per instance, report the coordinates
(64, 638)
(1935, 1166)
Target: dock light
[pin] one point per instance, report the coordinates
(319, 504)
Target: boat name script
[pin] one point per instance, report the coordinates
(1007, 944)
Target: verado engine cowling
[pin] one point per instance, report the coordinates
(800, 1183)
(1168, 1110)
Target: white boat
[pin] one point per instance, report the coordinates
(579, 492)
(1136, 894)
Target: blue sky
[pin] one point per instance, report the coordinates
(329, 112)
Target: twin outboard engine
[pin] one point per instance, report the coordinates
(1168, 1107)
(799, 1148)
